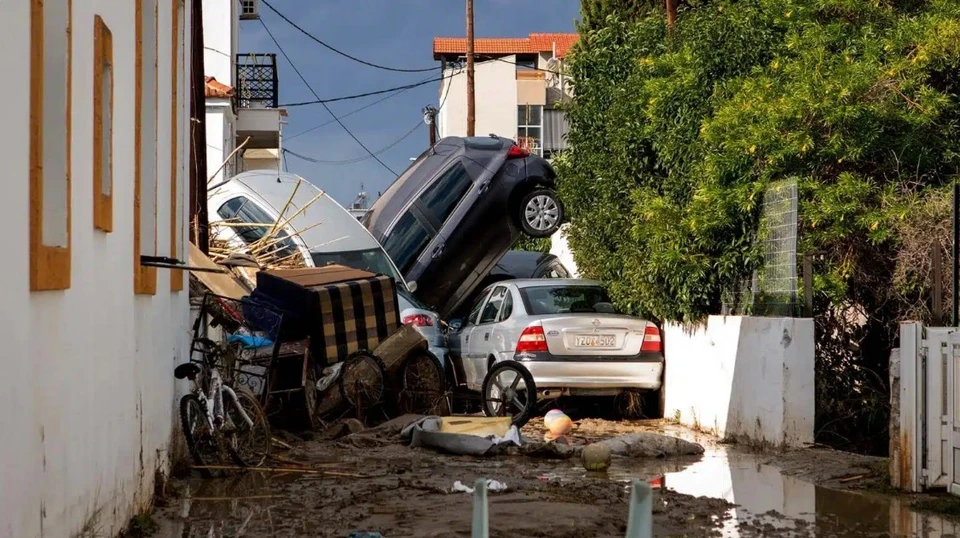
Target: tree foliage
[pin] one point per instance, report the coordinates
(675, 138)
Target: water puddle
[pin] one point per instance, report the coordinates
(772, 504)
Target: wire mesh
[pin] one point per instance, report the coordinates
(257, 80)
(772, 289)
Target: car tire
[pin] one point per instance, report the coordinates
(540, 213)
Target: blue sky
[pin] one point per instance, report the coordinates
(395, 33)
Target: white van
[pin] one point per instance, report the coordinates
(319, 229)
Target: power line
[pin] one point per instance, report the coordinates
(338, 51)
(358, 159)
(348, 114)
(309, 87)
(362, 95)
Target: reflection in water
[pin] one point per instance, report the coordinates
(769, 502)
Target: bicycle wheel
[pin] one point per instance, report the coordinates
(502, 395)
(249, 446)
(423, 385)
(201, 439)
(363, 380)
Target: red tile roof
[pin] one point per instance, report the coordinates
(213, 88)
(497, 46)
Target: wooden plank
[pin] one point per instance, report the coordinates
(219, 283)
(479, 426)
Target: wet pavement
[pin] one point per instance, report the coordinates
(403, 494)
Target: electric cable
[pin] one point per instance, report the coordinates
(338, 51)
(309, 87)
(358, 159)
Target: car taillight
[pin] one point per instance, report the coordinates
(516, 152)
(418, 320)
(651, 339)
(532, 340)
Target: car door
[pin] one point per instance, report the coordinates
(471, 375)
(503, 334)
(481, 346)
(442, 269)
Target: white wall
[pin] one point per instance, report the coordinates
(496, 100)
(220, 35)
(86, 393)
(221, 140)
(560, 249)
(743, 377)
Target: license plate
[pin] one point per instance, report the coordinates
(595, 340)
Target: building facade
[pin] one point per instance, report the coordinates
(519, 87)
(95, 143)
(241, 90)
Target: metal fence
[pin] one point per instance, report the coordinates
(772, 289)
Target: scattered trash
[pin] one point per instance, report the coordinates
(329, 376)
(558, 424)
(492, 485)
(427, 432)
(596, 457)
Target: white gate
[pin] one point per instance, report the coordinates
(927, 451)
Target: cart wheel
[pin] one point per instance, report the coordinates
(423, 385)
(503, 395)
(363, 380)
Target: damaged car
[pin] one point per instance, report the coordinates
(568, 334)
(459, 207)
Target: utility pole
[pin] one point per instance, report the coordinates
(471, 98)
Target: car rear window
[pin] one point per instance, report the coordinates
(406, 241)
(547, 300)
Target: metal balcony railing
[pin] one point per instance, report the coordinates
(257, 80)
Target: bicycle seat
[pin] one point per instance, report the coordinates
(187, 369)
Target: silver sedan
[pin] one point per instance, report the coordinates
(565, 332)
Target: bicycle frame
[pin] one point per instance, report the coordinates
(213, 400)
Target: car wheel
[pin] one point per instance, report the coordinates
(541, 213)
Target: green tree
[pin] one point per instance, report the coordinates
(675, 140)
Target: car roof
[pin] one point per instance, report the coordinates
(323, 224)
(552, 282)
(520, 263)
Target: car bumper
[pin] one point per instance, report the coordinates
(591, 373)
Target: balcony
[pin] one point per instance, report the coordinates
(257, 81)
(258, 113)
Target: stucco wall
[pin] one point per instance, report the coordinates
(743, 377)
(496, 100)
(220, 35)
(87, 390)
(220, 139)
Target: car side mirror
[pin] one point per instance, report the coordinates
(455, 324)
(412, 286)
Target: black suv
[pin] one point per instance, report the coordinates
(450, 217)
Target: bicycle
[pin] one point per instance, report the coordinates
(216, 418)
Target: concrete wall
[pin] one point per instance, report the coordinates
(496, 100)
(87, 387)
(742, 377)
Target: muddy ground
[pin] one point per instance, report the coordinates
(371, 483)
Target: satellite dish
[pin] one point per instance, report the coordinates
(553, 64)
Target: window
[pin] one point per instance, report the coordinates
(50, 118)
(102, 126)
(507, 309)
(176, 198)
(374, 260)
(545, 300)
(492, 308)
(145, 147)
(406, 241)
(441, 198)
(530, 128)
(475, 309)
(242, 210)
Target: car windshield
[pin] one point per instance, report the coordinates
(373, 260)
(546, 300)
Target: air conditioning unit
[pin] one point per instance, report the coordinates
(249, 10)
